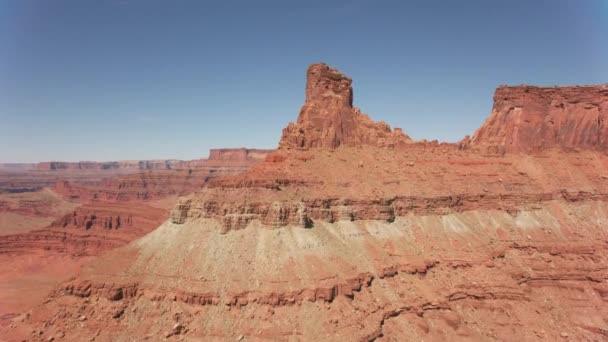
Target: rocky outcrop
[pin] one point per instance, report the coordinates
(111, 216)
(328, 118)
(363, 180)
(384, 184)
(530, 119)
(304, 213)
(47, 242)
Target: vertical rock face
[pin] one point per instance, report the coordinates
(328, 118)
(527, 119)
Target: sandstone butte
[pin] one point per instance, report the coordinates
(351, 231)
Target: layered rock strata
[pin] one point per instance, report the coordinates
(479, 275)
(342, 236)
(379, 184)
(531, 119)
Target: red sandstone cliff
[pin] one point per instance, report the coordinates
(328, 119)
(527, 119)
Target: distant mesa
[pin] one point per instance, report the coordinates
(244, 156)
(529, 119)
(329, 120)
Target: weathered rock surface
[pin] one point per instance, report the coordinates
(381, 184)
(328, 119)
(479, 275)
(529, 119)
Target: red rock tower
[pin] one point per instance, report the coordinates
(328, 119)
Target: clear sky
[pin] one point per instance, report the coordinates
(147, 79)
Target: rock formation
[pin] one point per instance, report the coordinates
(528, 119)
(328, 119)
(341, 236)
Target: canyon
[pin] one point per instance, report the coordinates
(55, 216)
(349, 231)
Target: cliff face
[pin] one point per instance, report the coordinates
(528, 119)
(328, 119)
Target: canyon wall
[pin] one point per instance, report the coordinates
(530, 119)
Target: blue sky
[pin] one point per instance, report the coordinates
(146, 79)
